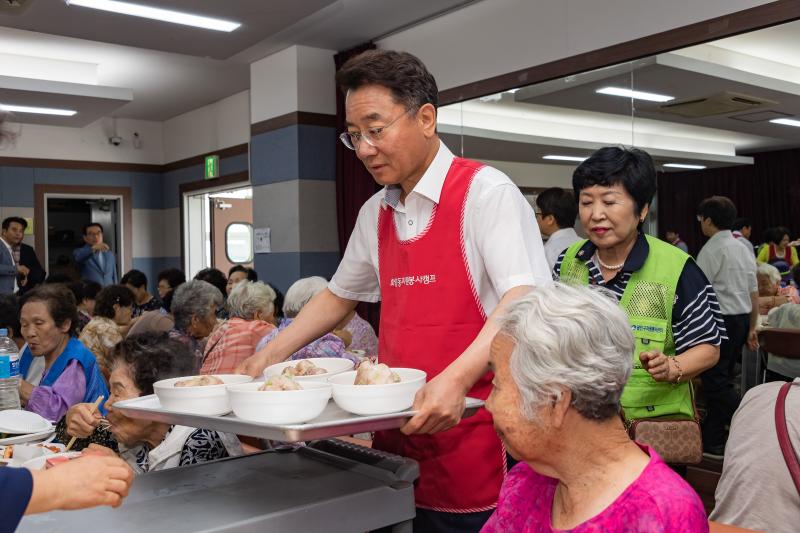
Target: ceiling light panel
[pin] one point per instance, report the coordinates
(164, 15)
(787, 122)
(565, 158)
(684, 166)
(636, 95)
(37, 110)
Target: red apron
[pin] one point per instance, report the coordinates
(430, 313)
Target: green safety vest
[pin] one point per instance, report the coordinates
(648, 301)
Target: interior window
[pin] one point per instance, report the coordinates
(239, 242)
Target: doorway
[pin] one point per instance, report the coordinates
(61, 212)
(66, 216)
(218, 229)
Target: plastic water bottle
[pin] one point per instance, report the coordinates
(9, 372)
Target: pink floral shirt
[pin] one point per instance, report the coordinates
(658, 501)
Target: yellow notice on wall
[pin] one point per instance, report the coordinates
(29, 229)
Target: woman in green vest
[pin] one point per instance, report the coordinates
(670, 304)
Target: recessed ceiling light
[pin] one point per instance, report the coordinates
(565, 158)
(786, 122)
(165, 15)
(685, 165)
(636, 95)
(38, 110)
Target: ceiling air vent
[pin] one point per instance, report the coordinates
(14, 7)
(717, 104)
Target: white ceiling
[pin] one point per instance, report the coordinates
(173, 69)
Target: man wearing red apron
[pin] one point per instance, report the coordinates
(445, 246)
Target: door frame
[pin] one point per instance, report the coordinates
(43, 191)
(237, 180)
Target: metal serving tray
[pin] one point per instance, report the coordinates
(333, 422)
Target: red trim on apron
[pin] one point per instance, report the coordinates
(430, 313)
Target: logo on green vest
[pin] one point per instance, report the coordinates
(649, 329)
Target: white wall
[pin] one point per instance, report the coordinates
(219, 125)
(89, 143)
(299, 78)
(496, 37)
(535, 175)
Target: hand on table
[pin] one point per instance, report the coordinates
(440, 404)
(82, 420)
(87, 481)
(658, 365)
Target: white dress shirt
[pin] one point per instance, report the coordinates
(557, 243)
(501, 238)
(731, 271)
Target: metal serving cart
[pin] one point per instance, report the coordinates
(320, 485)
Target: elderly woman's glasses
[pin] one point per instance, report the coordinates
(372, 136)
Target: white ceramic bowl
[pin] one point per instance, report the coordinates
(279, 407)
(377, 399)
(333, 365)
(210, 400)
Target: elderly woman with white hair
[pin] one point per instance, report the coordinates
(250, 306)
(770, 292)
(561, 361)
(194, 308)
(298, 295)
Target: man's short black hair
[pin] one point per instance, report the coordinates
(402, 73)
(87, 226)
(741, 223)
(9, 314)
(19, 220)
(720, 209)
(214, 277)
(135, 278)
(630, 167)
(559, 203)
(252, 275)
(173, 276)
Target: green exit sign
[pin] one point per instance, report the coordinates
(212, 167)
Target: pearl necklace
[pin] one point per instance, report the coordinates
(608, 267)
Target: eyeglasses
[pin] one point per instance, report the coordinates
(700, 218)
(372, 136)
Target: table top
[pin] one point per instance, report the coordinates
(306, 490)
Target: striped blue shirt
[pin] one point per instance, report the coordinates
(696, 316)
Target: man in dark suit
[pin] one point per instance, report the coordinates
(95, 259)
(29, 271)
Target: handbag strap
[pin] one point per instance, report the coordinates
(789, 454)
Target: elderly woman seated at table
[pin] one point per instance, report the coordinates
(332, 344)
(112, 318)
(250, 306)
(71, 373)
(194, 309)
(770, 292)
(146, 445)
(561, 360)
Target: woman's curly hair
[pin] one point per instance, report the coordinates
(151, 358)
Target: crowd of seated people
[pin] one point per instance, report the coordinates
(79, 341)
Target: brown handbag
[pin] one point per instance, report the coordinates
(789, 454)
(677, 441)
